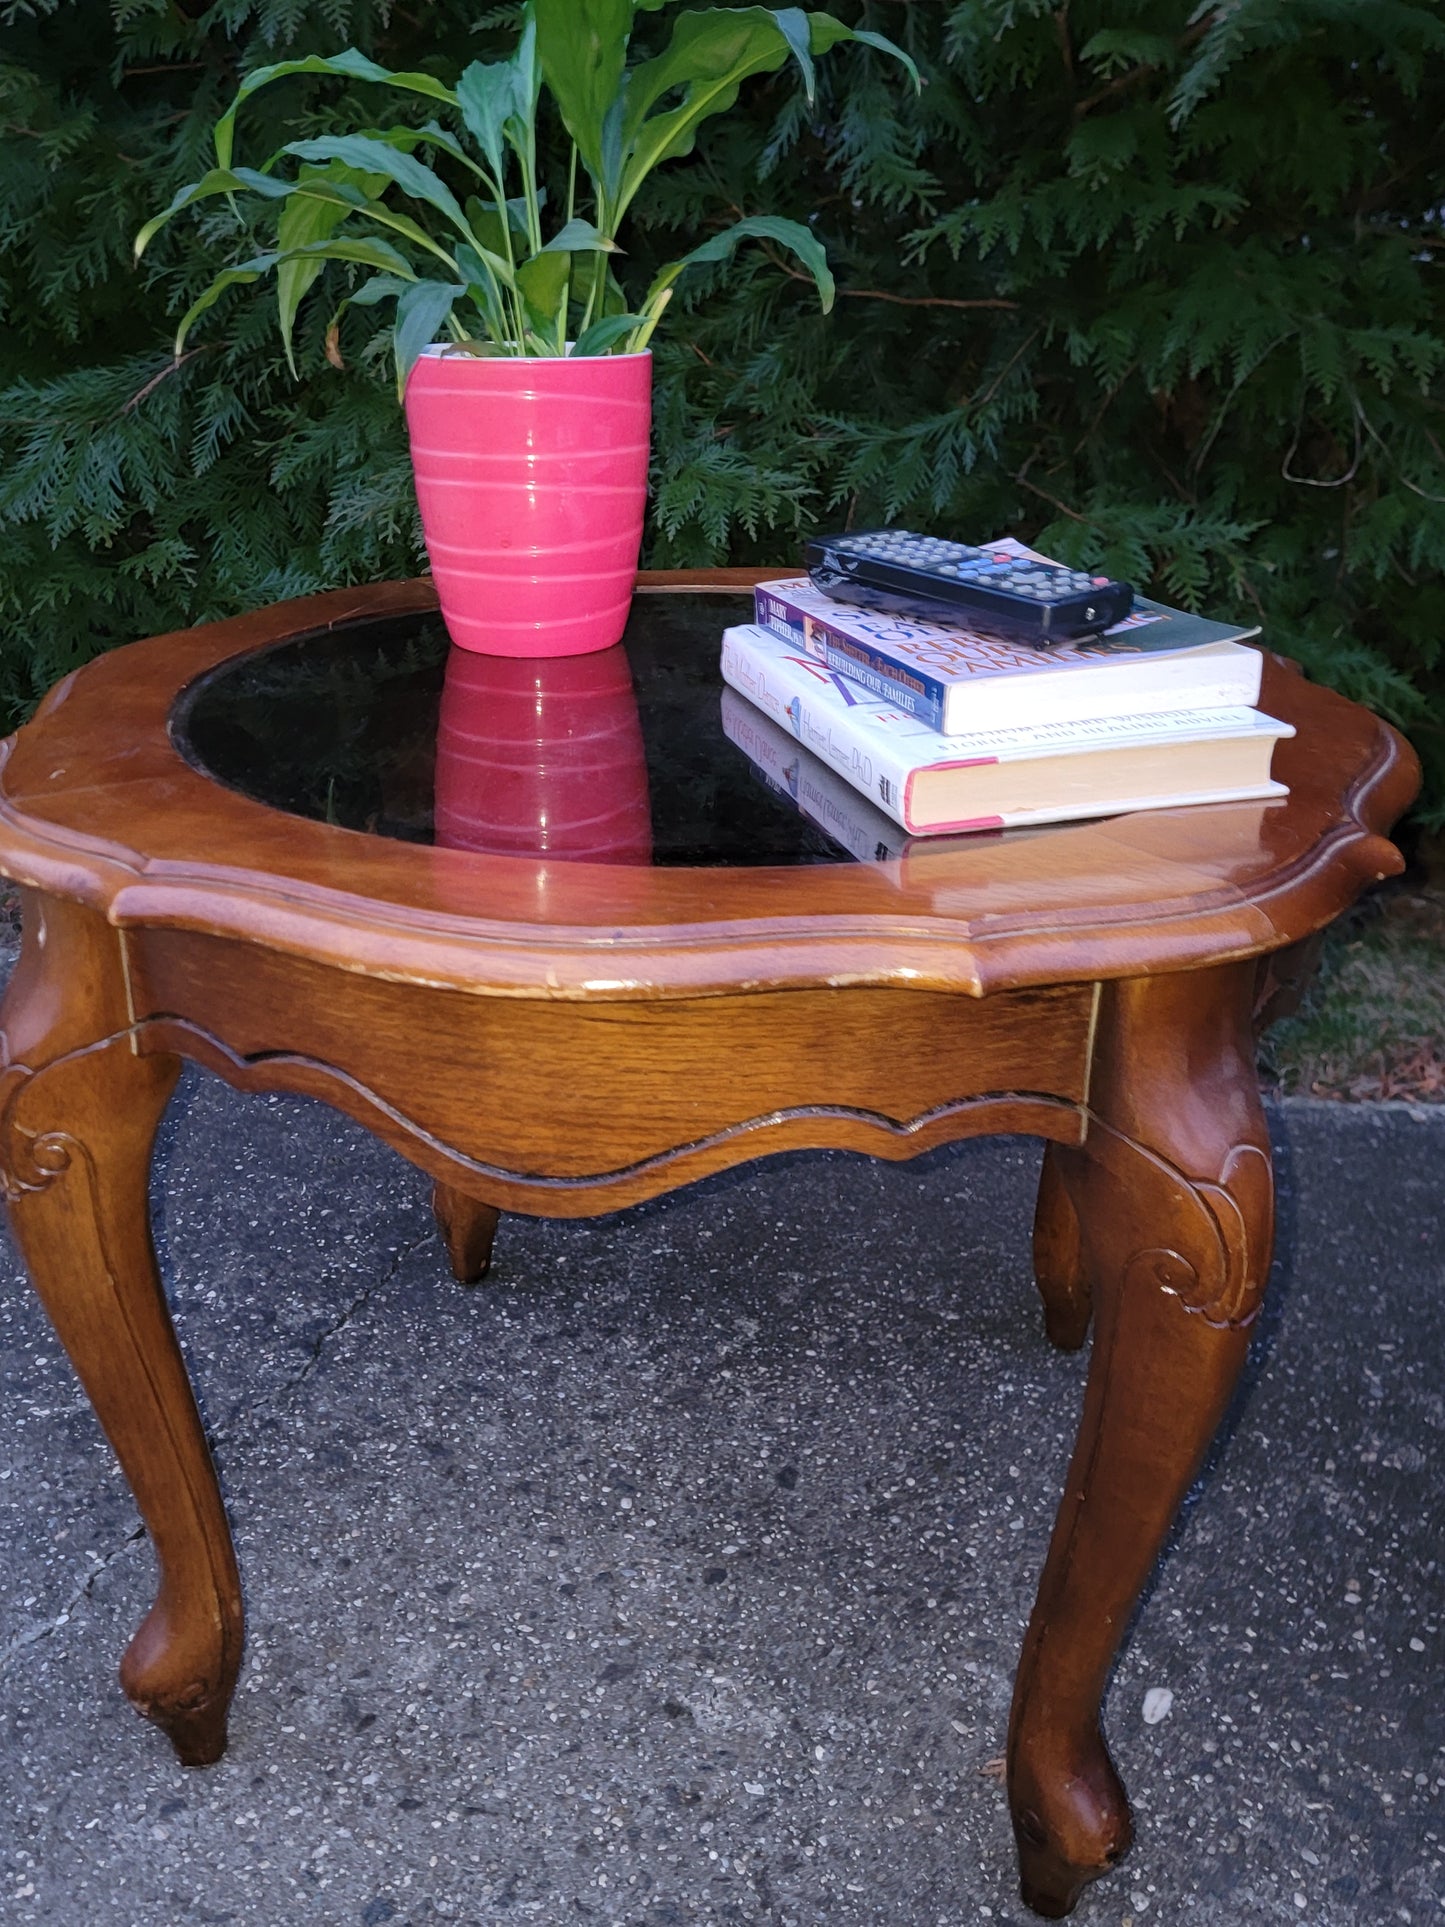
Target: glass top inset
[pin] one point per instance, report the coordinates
(631, 755)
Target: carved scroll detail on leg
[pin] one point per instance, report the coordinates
(1231, 1223)
(29, 1160)
(76, 1129)
(1173, 1194)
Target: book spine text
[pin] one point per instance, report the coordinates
(786, 689)
(815, 792)
(915, 693)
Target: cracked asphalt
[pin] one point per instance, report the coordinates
(678, 1574)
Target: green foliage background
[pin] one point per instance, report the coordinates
(1156, 286)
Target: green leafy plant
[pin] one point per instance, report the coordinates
(519, 294)
(1152, 287)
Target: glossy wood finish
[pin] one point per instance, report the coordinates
(567, 1038)
(97, 803)
(1168, 1204)
(592, 1105)
(79, 1106)
(467, 1228)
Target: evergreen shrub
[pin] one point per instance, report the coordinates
(1151, 285)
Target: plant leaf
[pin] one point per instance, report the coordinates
(409, 229)
(711, 53)
(792, 24)
(543, 281)
(825, 32)
(220, 180)
(472, 261)
(486, 220)
(349, 65)
(529, 83)
(381, 287)
(487, 93)
(597, 339)
(420, 311)
(409, 139)
(251, 270)
(304, 218)
(370, 253)
(486, 225)
(582, 50)
(762, 227)
(482, 285)
(412, 176)
(610, 180)
(614, 301)
(581, 237)
(651, 316)
(498, 100)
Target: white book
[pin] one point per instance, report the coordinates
(789, 771)
(959, 679)
(813, 789)
(989, 779)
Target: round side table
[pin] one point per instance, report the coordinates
(566, 968)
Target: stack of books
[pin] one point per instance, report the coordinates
(946, 729)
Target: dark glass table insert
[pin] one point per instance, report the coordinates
(615, 757)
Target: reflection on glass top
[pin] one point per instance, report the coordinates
(637, 754)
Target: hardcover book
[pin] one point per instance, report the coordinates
(956, 679)
(990, 779)
(797, 777)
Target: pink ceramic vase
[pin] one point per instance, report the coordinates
(542, 758)
(531, 474)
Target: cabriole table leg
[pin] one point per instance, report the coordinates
(1058, 1257)
(78, 1116)
(1173, 1195)
(467, 1228)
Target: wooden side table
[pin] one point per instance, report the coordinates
(221, 837)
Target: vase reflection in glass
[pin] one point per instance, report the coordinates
(542, 757)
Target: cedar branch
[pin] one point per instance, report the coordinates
(155, 381)
(899, 300)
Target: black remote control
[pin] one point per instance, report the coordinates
(937, 581)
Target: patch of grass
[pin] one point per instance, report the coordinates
(1372, 1025)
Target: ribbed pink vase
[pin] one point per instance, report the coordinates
(531, 474)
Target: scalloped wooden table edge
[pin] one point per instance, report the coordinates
(1147, 891)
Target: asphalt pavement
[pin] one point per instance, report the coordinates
(678, 1574)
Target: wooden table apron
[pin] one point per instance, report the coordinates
(565, 1039)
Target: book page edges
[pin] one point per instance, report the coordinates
(1018, 819)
